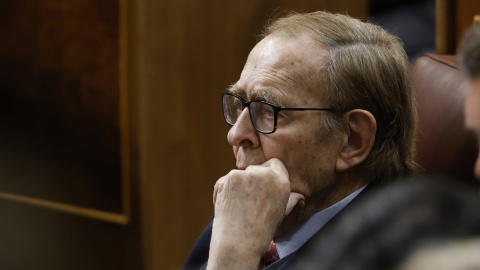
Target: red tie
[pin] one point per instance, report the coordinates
(270, 256)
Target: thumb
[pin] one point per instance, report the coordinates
(218, 188)
(293, 200)
(276, 166)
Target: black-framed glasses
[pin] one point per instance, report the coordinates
(262, 114)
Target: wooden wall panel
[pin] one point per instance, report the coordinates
(72, 50)
(185, 54)
(41, 239)
(445, 26)
(453, 17)
(60, 104)
(465, 12)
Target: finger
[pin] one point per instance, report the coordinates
(293, 200)
(218, 188)
(277, 166)
(215, 193)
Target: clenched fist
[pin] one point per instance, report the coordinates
(249, 205)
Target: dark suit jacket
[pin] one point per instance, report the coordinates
(198, 257)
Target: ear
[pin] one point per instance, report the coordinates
(358, 141)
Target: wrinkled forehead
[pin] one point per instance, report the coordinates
(291, 67)
(281, 52)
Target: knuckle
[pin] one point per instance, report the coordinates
(234, 177)
(233, 174)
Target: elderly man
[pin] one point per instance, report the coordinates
(323, 108)
(469, 59)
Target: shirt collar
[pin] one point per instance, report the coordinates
(293, 239)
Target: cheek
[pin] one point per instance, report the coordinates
(472, 102)
(275, 147)
(301, 155)
(469, 108)
(475, 113)
(476, 169)
(285, 147)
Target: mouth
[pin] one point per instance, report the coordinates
(247, 157)
(243, 164)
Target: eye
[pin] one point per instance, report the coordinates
(268, 112)
(238, 105)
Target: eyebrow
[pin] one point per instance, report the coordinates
(257, 95)
(265, 96)
(233, 89)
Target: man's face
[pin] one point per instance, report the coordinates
(472, 113)
(285, 72)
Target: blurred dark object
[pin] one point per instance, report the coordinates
(384, 229)
(413, 21)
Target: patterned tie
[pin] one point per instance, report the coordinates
(270, 256)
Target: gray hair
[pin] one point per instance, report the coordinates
(367, 68)
(469, 52)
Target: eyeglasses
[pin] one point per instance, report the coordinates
(262, 114)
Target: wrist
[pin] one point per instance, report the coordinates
(227, 255)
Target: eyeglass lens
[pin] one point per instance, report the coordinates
(232, 108)
(262, 115)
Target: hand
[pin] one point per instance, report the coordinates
(277, 166)
(249, 206)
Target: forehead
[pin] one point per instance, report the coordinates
(288, 69)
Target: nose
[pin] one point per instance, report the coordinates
(243, 133)
(476, 169)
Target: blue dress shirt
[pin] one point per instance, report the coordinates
(293, 239)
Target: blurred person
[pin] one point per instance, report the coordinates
(469, 59)
(454, 255)
(394, 224)
(322, 111)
